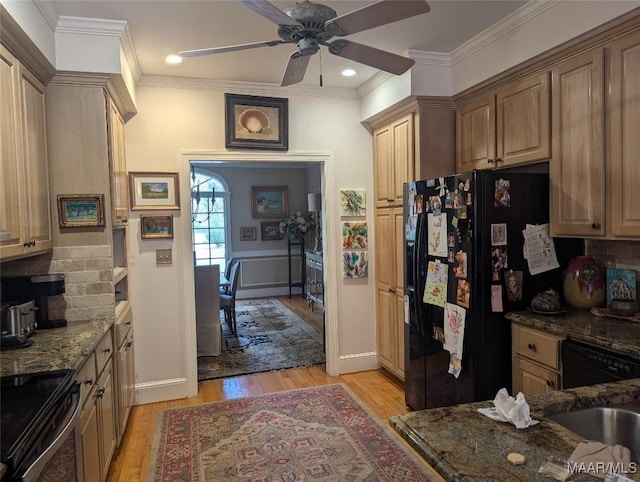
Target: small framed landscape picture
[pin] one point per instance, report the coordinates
(269, 230)
(81, 210)
(153, 191)
(248, 234)
(156, 227)
(269, 201)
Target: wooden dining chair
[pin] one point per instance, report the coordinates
(228, 300)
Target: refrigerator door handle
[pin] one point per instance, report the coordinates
(416, 270)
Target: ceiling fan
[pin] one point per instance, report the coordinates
(309, 25)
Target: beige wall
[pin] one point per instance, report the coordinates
(171, 121)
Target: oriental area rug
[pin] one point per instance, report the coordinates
(270, 337)
(312, 434)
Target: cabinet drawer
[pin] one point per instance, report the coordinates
(87, 376)
(537, 345)
(104, 350)
(123, 326)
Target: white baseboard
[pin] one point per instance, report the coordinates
(358, 362)
(160, 391)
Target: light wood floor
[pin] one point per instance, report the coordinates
(380, 393)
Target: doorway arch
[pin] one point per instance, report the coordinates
(327, 183)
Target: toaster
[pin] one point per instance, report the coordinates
(18, 321)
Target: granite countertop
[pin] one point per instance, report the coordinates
(619, 335)
(464, 445)
(54, 349)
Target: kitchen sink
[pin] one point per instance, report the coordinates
(609, 425)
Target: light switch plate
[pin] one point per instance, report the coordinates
(163, 256)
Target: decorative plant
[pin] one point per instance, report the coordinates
(295, 226)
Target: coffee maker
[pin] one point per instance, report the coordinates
(38, 288)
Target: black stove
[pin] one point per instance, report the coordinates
(32, 406)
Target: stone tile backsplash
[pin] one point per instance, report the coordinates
(89, 290)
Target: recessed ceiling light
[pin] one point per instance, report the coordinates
(173, 59)
(348, 72)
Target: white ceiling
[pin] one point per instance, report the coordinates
(162, 27)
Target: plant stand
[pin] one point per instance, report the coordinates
(296, 284)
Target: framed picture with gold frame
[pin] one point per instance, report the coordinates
(156, 227)
(269, 201)
(81, 210)
(154, 191)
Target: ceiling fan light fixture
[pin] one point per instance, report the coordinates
(308, 46)
(173, 59)
(348, 72)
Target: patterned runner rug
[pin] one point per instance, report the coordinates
(313, 434)
(270, 337)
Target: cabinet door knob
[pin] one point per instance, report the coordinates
(595, 225)
(100, 393)
(490, 161)
(107, 350)
(498, 159)
(531, 347)
(550, 383)
(89, 381)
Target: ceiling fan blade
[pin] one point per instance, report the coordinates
(381, 13)
(230, 48)
(296, 68)
(380, 59)
(268, 11)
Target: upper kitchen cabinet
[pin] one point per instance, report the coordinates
(624, 137)
(413, 139)
(25, 218)
(393, 160)
(505, 128)
(578, 167)
(118, 166)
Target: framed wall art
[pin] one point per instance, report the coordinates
(247, 234)
(269, 201)
(156, 227)
(269, 230)
(253, 122)
(81, 210)
(154, 191)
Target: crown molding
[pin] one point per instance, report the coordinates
(49, 12)
(422, 57)
(91, 26)
(273, 90)
(501, 28)
(130, 53)
(373, 83)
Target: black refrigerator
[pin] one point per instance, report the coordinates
(465, 267)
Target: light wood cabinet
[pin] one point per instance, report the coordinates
(97, 428)
(125, 374)
(393, 160)
(413, 139)
(25, 218)
(505, 128)
(118, 166)
(389, 289)
(536, 364)
(577, 171)
(624, 138)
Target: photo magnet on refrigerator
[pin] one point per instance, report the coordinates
(502, 195)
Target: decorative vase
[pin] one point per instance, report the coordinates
(584, 283)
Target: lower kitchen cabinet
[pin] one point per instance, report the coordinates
(536, 360)
(97, 430)
(125, 375)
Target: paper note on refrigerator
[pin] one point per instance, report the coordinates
(454, 325)
(435, 288)
(541, 252)
(437, 239)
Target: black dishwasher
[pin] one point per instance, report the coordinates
(584, 364)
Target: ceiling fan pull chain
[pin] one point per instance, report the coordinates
(321, 69)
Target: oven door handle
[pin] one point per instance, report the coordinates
(34, 471)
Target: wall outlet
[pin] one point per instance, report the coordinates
(163, 256)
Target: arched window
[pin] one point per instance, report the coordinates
(209, 218)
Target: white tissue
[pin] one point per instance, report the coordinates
(509, 409)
